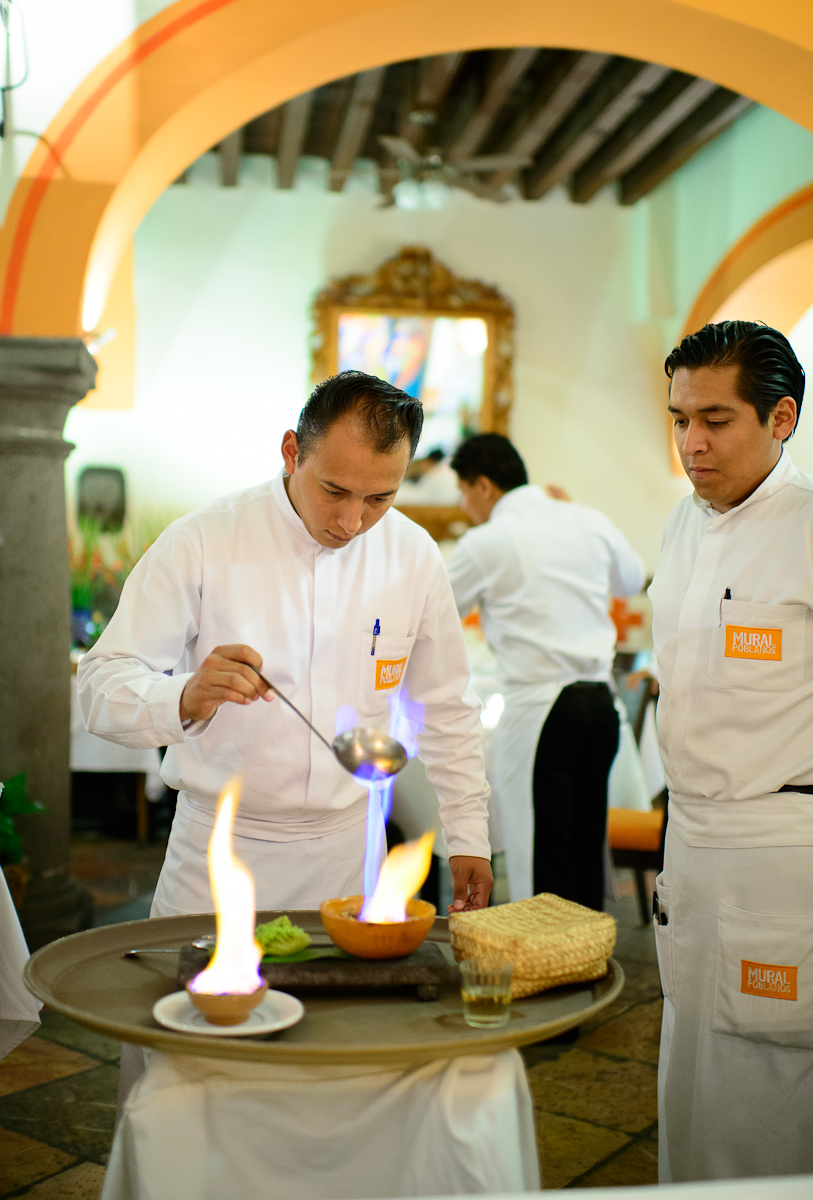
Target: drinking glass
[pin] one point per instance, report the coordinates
(486, 990)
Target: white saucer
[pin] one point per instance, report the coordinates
(277, 1011)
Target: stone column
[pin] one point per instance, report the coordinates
(40, 380)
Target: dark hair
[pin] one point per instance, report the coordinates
(389, 415)
(768, 368)
(492, 455)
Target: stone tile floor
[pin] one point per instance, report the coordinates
(594, 1098)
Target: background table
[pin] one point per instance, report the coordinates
(98, 755)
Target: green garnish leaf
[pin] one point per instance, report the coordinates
(279, 937)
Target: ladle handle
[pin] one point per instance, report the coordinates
(302, 717)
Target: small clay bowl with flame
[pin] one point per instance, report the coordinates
(364, 939)
(228, 1008)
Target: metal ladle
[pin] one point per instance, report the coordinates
(201, 943)
(368, 753)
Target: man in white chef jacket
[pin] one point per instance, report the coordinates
(733, 633)
(344, 604)
(542, 572)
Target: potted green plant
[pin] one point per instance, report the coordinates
(15, 803)
(99, 565)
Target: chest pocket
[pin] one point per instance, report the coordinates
(381, 674)
(759, 647)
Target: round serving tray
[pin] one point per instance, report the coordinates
(86, 978)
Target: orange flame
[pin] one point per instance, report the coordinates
(402, 874)
(234, 967)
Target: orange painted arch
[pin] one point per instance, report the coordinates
(200, 68)
(767, 274)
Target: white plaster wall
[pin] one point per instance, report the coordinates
(801, 444)
(224, 280)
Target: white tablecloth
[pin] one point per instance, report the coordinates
(628, 786)
(19, 1011)
(91, 753)
(205, 1129)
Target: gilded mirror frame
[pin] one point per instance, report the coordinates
(414, 283)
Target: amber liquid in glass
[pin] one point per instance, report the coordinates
(486, 1005)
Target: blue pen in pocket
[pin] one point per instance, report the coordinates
(376, 631)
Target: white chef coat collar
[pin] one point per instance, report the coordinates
(514, 498)
(289, 514)
(779, 476)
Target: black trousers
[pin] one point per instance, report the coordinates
(576, 749)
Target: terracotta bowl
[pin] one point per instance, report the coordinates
(228, 1009)
(340, 919)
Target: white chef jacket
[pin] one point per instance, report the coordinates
(542, 572)
(246, 570)
(736, 675)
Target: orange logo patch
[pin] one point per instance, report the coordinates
(742, 642)
(388, 673)
(766, 979)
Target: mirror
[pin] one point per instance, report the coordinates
(444, 339)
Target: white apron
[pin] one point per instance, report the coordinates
(735, 1075)
(515, 742)
(287, 875)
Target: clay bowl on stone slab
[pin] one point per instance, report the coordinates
(227, 1009)
(365, 940)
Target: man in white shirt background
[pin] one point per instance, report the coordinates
(733, 631)
(314, 579)
(542, 572)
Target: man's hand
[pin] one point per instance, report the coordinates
(636, 678)
(555, 492)
(473, 882)
(226, 675)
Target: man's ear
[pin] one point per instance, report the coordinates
(290, 451)
(784, 418)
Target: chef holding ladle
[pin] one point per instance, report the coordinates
(289, 579)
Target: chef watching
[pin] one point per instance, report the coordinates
(733, 632)
(315, 580)
(542, 572)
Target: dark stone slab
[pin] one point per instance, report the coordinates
(425, 969)
(63, 1031)
(75, 1114)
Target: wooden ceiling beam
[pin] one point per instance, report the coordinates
(617, 93)
(560, 92)
(511, 68)
(295, 119)
(230, 150)
(357, 118)
(719, 111)
(261, 136)
(652, 121)
(435, 76)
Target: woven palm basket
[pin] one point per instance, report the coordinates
(549, 940)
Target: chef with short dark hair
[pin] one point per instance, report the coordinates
(315, 580)
(733, 632)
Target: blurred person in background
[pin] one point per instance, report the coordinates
(542, 572)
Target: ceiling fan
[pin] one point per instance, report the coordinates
(433, 174)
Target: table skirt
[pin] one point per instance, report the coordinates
(19, 1011)
(197, 1128)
